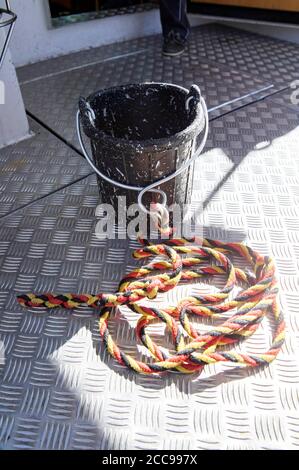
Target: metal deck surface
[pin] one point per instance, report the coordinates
(59, 390)
(288, 97)
(274, 60)
(58, 387)
(55, 102)
(227, 63)
(261, 56)
(52, 96)
(35, 167)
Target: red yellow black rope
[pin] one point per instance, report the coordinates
(241, 315)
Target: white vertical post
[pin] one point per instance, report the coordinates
(13, 120)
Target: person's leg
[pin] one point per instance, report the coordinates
(174, 18)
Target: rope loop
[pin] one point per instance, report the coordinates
(179, 261)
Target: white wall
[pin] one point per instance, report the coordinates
(13, 119)
(34, 39)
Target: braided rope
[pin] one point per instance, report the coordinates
(247, 309)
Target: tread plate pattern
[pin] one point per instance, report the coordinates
(288, 97)
(54, 98)
(35, 167)
(268, 58)
(60, 390)
(262, 56)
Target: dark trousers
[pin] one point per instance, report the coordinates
(174, 17)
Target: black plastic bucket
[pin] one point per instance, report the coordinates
(140, 133)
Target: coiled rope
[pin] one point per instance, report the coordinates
(241, 315)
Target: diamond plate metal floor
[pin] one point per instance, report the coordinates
(288, 97)
(227, 63)
(272, 59)
(261, 56)
(55, 102)
(60, 64)
(59, 390)
(36, 167)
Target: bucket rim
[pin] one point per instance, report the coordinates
(162, 143)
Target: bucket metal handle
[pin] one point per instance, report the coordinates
(193, 94)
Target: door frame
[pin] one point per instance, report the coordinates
(244, 13)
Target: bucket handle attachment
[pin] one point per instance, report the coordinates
(194, 97)
(88, 114)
